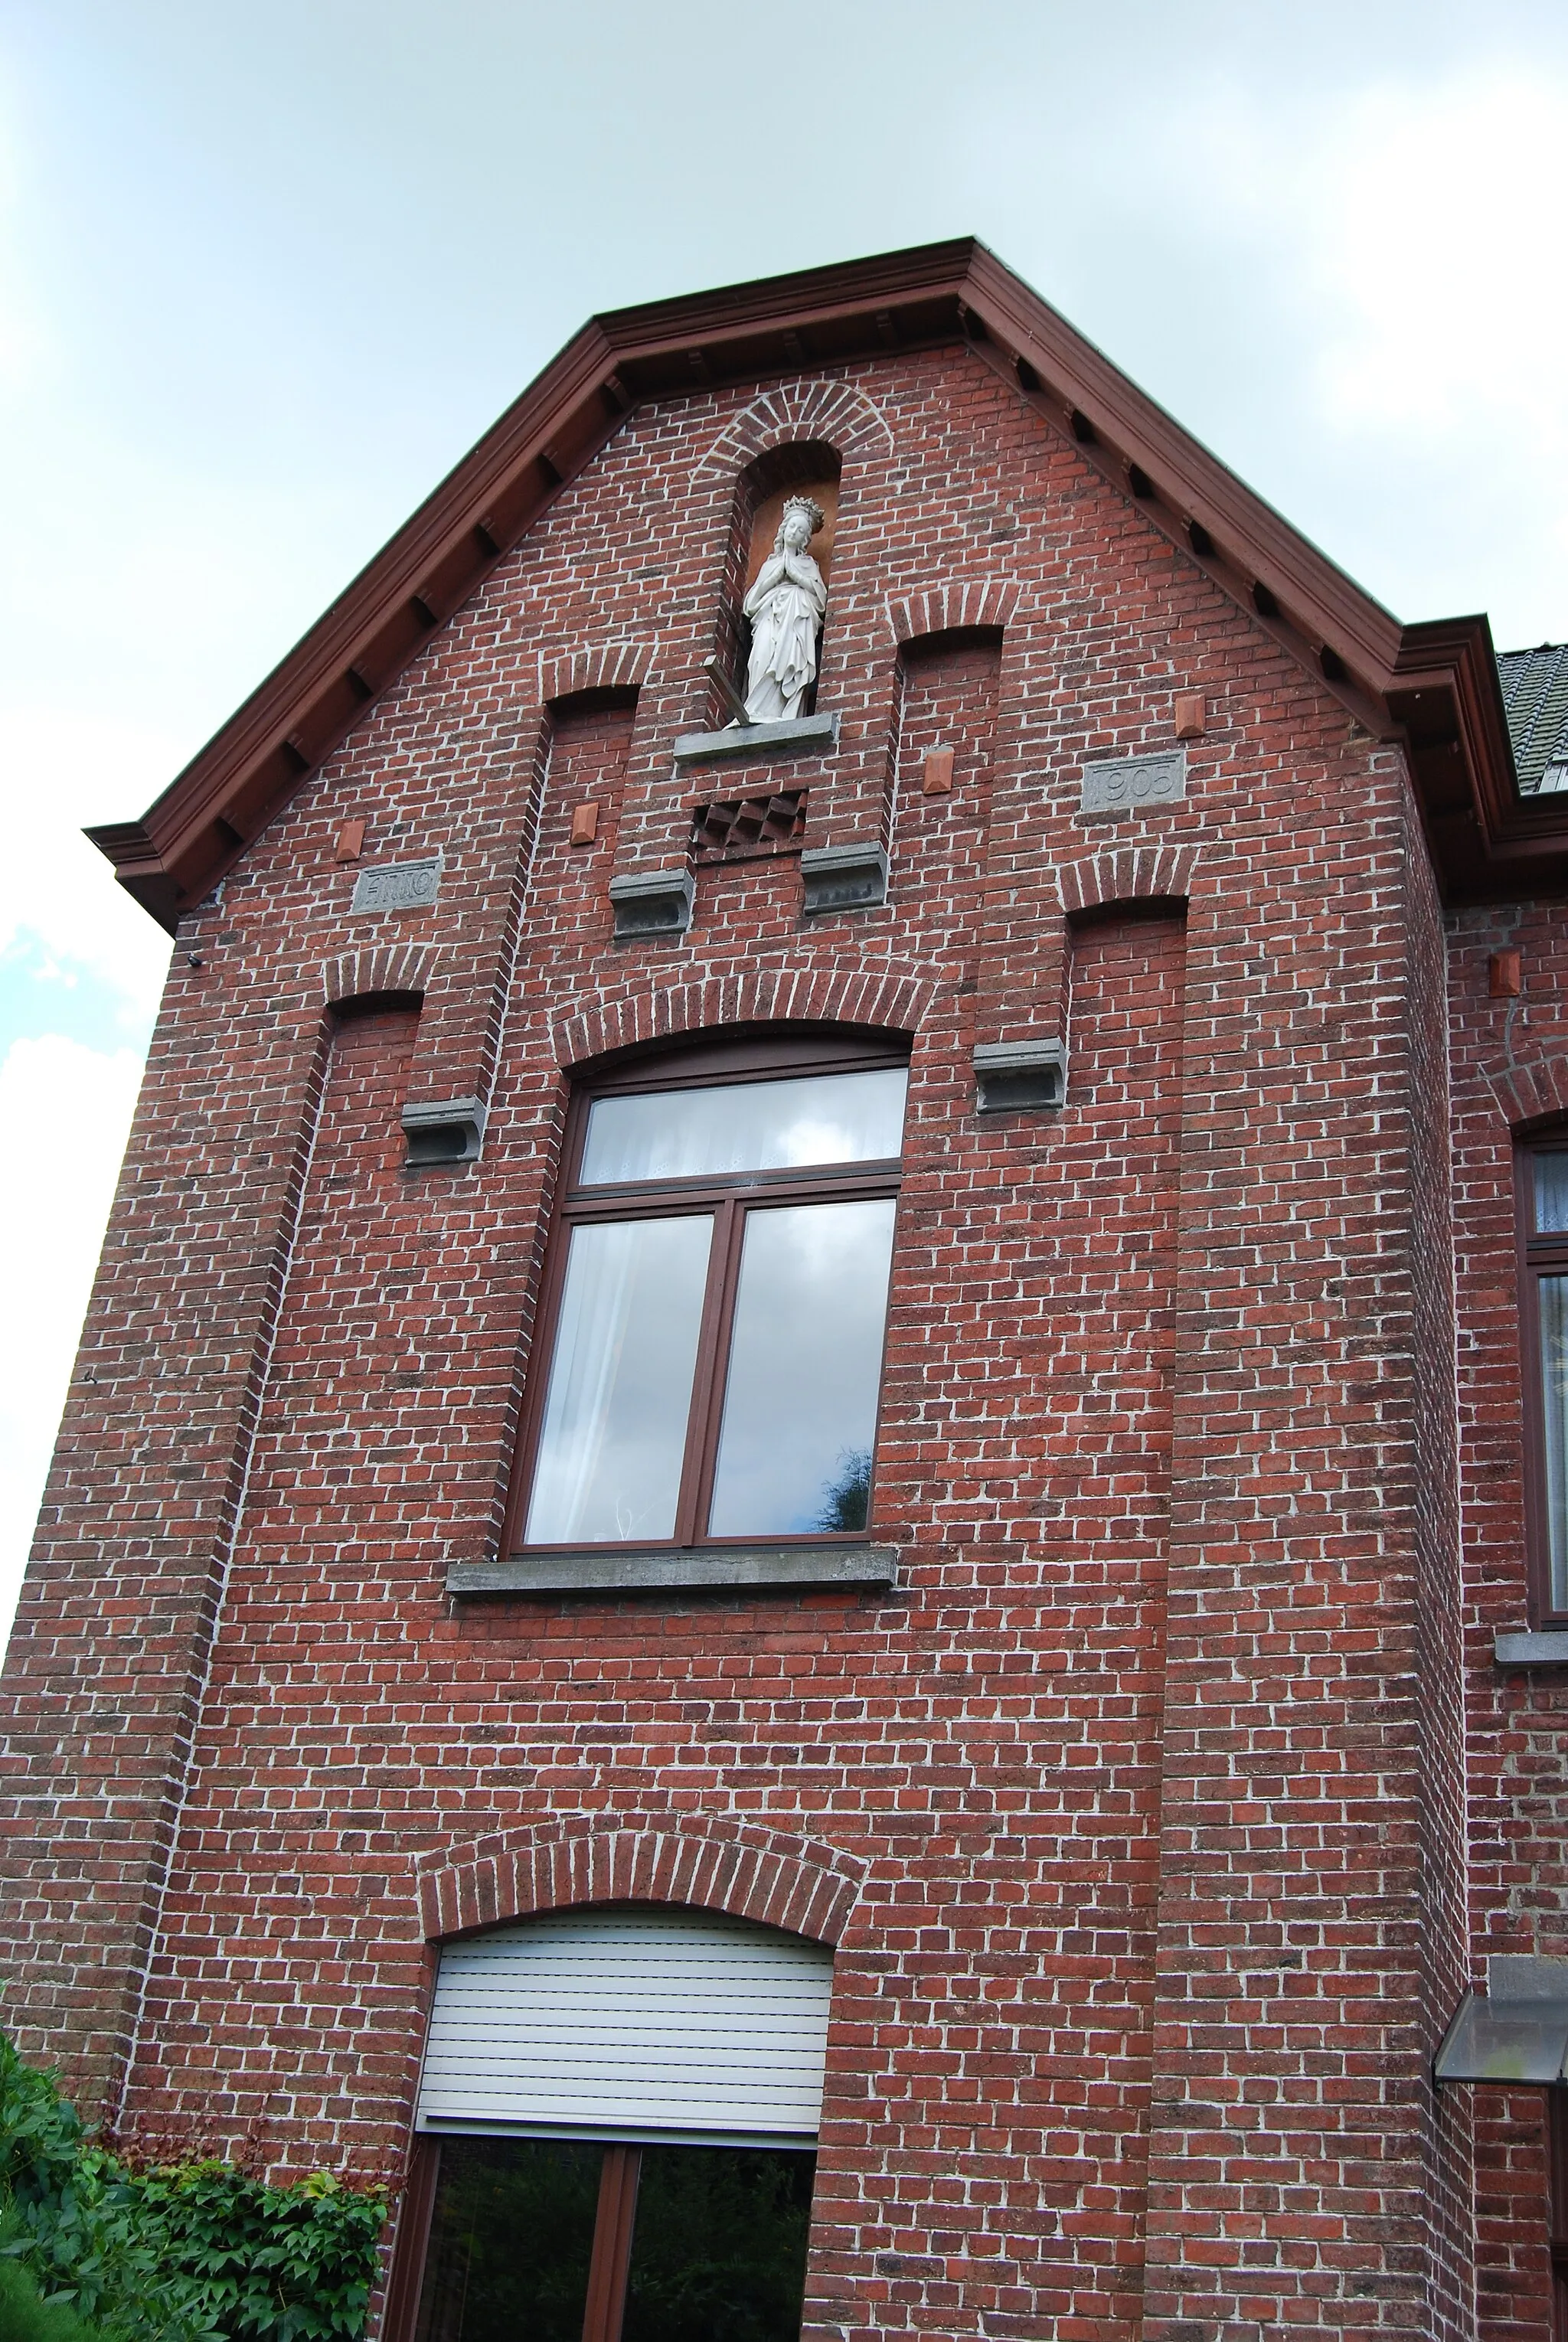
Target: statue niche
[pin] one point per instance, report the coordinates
(785, 605)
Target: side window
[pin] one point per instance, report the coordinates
(711, 1357)
(1544, 1213)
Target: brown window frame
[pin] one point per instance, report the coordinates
(1538, 1256)
(1557, 2208)
(610, 2254)
(728, 1201)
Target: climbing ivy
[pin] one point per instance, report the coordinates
(181, 2252)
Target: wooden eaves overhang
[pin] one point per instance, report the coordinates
(1434, 686)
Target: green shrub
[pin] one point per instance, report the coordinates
(188, 2252)
(26, 2317)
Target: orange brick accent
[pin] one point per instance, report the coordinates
(1192, 715)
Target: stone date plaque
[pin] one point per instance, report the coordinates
(1121, 784)
(398, 886)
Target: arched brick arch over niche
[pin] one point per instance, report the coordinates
(890, 999)
(958, 606)
(373, 973)
(779, 1881)
(835, 412)
(604, 666)
(1130, 874)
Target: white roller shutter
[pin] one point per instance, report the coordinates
(644, 2021)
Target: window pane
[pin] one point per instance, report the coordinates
(746, 1127)
(1553, 1291)
(718, 2253)
(1550, 1194)
(614, 1431)
(805, 1361)
(510, 2241)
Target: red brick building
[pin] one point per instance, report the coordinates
(843, 1433)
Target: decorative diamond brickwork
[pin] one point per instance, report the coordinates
(731, 829)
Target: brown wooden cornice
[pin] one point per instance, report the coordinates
(1434, 686)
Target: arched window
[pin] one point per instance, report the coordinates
(618, 2109)
(710, 1354)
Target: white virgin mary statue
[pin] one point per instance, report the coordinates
(786, 607)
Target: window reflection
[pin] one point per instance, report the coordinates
(620, 1387)
(806, 1360)
(717, 2250)
(746, 1127)
(1554, 1292)
(510, 2241)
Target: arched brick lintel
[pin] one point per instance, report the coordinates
(602, 667)
(780, 1882)
(1125, 875)
(366, 975)
(964, 603)
(888, 1000)
(836, 413)
(1531, 1092)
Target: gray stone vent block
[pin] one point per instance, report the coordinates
(444, 1130)
(1019, 1075)
(652, 902)
(844, 877)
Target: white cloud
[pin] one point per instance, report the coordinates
(1350, 293)
(56, 891)
(1435, 234)
(66, 1110)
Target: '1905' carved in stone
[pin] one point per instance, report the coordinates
(398, 886)
(1117, 783)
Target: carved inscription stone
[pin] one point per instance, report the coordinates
(398, 885)
(1120, 784)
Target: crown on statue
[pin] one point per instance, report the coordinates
(807, 504)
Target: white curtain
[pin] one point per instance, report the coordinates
(609, 1455)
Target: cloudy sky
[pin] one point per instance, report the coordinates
(265, 272)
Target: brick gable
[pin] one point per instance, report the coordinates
(1137, 1810)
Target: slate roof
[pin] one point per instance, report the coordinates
(1535, 695)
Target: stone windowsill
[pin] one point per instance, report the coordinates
(759, 744)
(1532, 1647)
(593, 1569)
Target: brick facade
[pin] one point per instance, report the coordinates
(1161, 1814)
